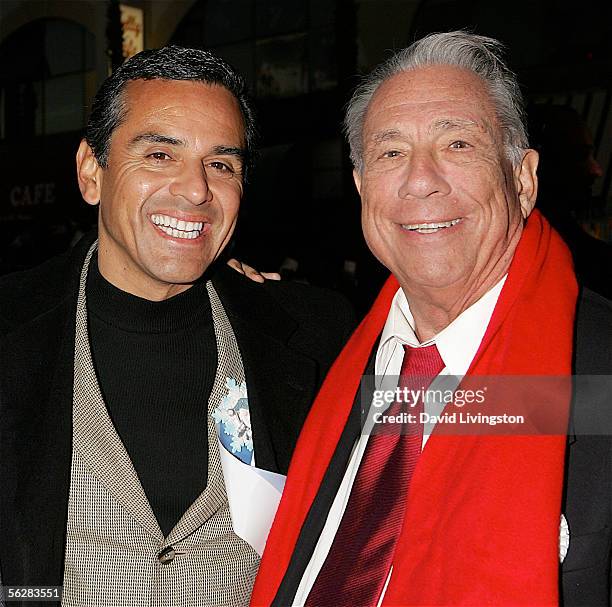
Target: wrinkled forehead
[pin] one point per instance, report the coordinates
(191, 108)
(159, 93)
(430, 95)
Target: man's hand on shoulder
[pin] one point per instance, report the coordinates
(252, 273)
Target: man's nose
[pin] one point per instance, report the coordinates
(192, 184)
(422, 177)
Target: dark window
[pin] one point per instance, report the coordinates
(44, 69)
(284, 48)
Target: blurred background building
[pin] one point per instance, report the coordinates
(301, 59)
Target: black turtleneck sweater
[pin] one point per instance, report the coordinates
(156, 363)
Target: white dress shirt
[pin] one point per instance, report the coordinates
(457, 345)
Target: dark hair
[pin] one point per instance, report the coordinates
(168, 63)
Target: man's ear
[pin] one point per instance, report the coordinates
(89, 174)
(357, 180)
(526, 181)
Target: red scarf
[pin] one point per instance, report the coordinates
(482, 521)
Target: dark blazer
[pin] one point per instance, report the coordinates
(288, 335)
(587, 502)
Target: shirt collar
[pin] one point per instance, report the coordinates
(458, 342)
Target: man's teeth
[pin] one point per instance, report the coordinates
(177, 227)
(429, 228)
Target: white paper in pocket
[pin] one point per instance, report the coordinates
(253, 496)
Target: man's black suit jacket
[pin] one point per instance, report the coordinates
(587, 503)
(288, 335)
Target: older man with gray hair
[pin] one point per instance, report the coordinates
(481, 286)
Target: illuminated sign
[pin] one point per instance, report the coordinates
(132, 23)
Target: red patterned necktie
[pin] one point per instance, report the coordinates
(358, 562)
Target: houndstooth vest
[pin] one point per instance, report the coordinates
(116, 554)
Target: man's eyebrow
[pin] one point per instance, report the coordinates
(439, 125)
(155, 138)
(447, 124)
(222, 150)
(385, 135)
(225, 150)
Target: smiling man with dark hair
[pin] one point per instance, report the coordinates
(150, 397)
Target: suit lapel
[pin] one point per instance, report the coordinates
(279, 377)
(36, 387)
(95, 436)
(317, 515)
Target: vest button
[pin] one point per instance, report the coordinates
(166, 555)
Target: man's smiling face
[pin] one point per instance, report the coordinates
(440, 200)
(170, 194)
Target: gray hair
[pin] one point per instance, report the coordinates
(479, 54)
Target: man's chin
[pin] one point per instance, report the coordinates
(180, 276)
